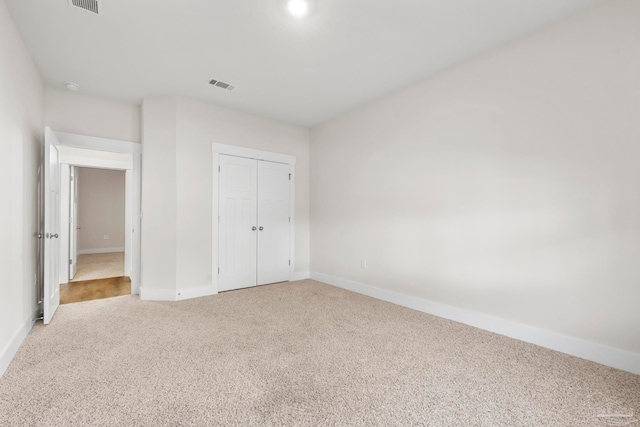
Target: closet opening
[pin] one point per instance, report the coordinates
(253, 217)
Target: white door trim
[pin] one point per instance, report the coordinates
(232, 150)
(89, 151)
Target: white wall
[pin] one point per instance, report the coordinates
(159, 223)
(75, 112)
(178, 177)
(21, 134)
(200, 124)
(101, 203)
(507, 185)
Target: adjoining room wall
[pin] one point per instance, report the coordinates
(101, 209)
(82, 114)
(21, 134)
(507, 185)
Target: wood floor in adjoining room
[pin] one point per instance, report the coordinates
(87, 290)
(99, 266)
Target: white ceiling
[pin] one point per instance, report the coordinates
(301, 71)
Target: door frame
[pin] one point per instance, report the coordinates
(102, 153)
(250, 153)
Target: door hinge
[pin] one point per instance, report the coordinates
(289, 177)
(289, 219)
(289, 262)
(218, 270)
(218, 169)
(70, 262)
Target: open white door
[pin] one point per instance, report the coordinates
(73, 223)
(51, 225)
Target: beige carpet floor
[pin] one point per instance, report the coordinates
(295, 354)
(99, 266)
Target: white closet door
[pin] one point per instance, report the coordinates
(237, 210)
(273, 222)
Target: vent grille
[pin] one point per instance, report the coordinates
(222, 85)
(89, 5)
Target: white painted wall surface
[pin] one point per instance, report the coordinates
(200, 124)
(101, 204)
(76, 112)
(507, 185)
(158, 228)
(21, 135)
(177, 180)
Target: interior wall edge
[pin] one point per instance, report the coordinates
(300, 275)
(589, 350)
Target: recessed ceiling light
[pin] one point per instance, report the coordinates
(298, 8)
(71, 86)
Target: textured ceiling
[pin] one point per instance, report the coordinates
(301, 71)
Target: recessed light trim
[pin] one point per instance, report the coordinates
(298, 8)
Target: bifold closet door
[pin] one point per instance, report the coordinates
(273, 222)
(238, 229)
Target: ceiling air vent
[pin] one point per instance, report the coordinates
(89, 5)
(223, 85)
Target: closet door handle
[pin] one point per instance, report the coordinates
(253, 228)
(261, 228)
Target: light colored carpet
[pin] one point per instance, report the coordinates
(294, 354)
(99, 266)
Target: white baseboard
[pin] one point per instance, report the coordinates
(11, 348)
(100, 251)
(300, 275)
(176, 295)
(157, 294)
(195, 292)
(599, 353)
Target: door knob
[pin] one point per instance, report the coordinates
(261, 228)
(253, 228)
(54, 235)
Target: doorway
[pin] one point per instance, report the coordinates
(96, 223)
(82, 151)
(96, 235)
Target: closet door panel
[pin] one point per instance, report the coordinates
(273, 222)
(237, 209)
